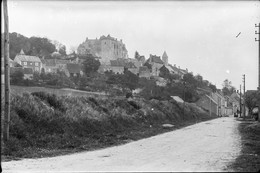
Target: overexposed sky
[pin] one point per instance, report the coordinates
(198, 35)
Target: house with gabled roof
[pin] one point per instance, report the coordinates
(27, 61)
(178, 70)
(209, 104)
(73, 70)
(117, 66)
(154, 63)
(49, 65)
(131, 67)
(144, 71)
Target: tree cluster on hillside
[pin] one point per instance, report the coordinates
(35, 46)
(228, 89)
(91, 64)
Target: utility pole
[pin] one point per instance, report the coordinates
(258, 66)
(240, 107)
(258, 54)
(7, 73)
(244, 105)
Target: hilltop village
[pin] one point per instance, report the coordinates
(111, 53)
(121, 74)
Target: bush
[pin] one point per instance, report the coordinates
(51, 99)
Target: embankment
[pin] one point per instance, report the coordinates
(46, 125)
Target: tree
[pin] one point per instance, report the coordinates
(16, 77)
(130, 80)
(228, 89)
(251, 98)
(91, 64)
(189, 78)
(213, 87)
(59, 47)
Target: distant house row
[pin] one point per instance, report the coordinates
(143, 68)
(30, 64)
(72, 65)
(220, 105)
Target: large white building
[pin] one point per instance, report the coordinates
(107, 48)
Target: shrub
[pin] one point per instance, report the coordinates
(51, 99)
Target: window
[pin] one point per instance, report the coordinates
(36, 64)
(30, 63)
(24, 63)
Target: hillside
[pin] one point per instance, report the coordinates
(45, 125)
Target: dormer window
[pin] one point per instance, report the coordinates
(24, 63)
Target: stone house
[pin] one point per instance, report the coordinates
(236, 101)
(73, 70)
(131, 67)
(208, 104)
(49, 65)
(220, 99)
(144, 72)
(117, 66)
(178, 70)
(231, 105)
(27, 61)
(154, 63)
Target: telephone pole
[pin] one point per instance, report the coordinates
(244, 105)
(258, 66)
(240, 107)
(7, 73)
(258, 53)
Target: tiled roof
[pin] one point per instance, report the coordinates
(73, 68)
(117, 63)
(21, 57)
(130, 65)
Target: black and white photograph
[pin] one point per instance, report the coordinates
(130, 86)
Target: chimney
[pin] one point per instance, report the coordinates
(179, 67)
(187, 70)
(174, 65)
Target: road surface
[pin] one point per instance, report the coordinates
(206, 146)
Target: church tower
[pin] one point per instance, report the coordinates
(165, 58)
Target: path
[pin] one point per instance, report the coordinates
(206, 146)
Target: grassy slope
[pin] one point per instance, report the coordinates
(45, 125)
(249, 160)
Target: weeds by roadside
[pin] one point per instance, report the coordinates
(249, 159)
(45, 125)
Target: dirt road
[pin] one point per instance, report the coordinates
(206, 146)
